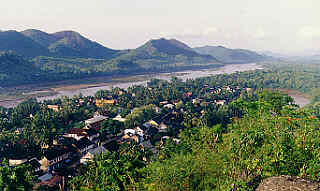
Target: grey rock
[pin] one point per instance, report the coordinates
(288, 183)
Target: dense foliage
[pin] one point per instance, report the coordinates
(254, 134)
(17, 178)
(264, 143)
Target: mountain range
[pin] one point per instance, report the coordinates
(70, 44)
(69, 55)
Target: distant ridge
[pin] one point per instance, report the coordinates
(227, 55)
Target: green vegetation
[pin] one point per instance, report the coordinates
(252, 135)
(17, 42)
(226, 55)
(16, 70)
(60, 44)
(74, 57)
(265, 142)
(17, 178)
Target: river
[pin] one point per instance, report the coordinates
(184, 75)
(188, 74)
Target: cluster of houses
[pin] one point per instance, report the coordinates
(77, 146)
(80, 145)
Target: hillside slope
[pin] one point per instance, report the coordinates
(19, 43)
(227, 55)
(15, 70)
(72, 44)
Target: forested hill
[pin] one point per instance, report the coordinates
(16, 70)
(163, 54)
(17, 42)
(227, 55)
(32, 43)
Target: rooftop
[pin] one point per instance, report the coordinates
(96, 119)
(91, 132)
(56, 151)
(97, 150)
(83, 143)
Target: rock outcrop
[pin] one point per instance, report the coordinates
(288, 183)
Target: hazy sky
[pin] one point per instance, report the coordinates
(286, 26)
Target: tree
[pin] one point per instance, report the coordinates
(15, 178)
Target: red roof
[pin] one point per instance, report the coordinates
(22, 142)
(77, 131)
(52, 182)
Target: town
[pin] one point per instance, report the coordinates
(64, 139)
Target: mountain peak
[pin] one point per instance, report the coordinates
(170, 47)
(40, 37)
(68, 34)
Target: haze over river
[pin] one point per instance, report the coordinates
(188, 74)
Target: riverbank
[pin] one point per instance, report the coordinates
(300, 98)
(89, 87)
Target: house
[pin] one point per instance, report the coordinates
(54, 107)
(92, 134)
(54, 156)
(163, 128)
(220, 102)
(17, 161)
(76, 133)
(95, 122)
(83, 145)
(139, 131)
(34, 165)
(101, 102)
(169, 106)
(129, 132)
(195, 101)
(64, 140)
(164, 102)
(130, 138)
(92, 153)
(151, 123)
(119, 118)
(51, 182)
